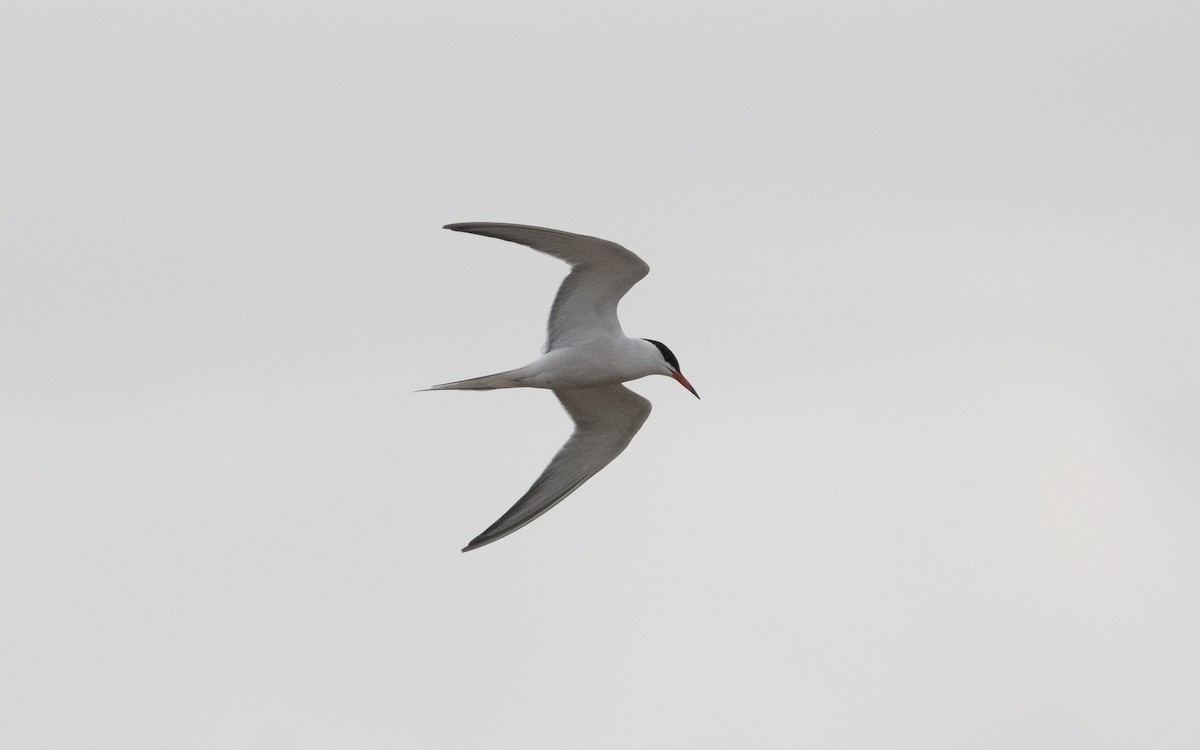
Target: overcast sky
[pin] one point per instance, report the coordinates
(933, 267)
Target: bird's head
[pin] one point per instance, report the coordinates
(671, 365)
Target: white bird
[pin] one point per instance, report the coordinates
(586, 358)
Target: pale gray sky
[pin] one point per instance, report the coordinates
(932, 266)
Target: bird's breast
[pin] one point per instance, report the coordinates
(588, 366)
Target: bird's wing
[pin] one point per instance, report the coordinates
(601, 272)
(606, 419)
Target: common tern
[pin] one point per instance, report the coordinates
(584, 361)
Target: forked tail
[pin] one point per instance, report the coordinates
(485, 383)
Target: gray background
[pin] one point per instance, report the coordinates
(932, 266)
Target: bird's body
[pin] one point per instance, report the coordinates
(585, 359)
(602, 361)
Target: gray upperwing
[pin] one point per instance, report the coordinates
(601, 273)
(606, 419)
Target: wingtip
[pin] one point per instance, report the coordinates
(478, 542)
(487, 537)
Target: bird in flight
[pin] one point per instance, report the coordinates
(585, 360)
